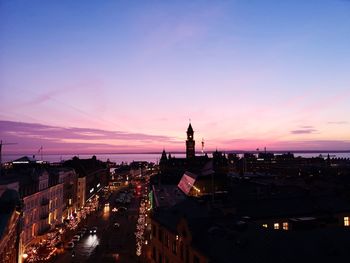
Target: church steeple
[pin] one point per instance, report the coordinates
(190, 143)
(190, 129)
(163, 158)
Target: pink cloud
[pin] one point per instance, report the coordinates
(31, 136)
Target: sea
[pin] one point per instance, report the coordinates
(149, 157)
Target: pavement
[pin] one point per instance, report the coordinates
(109, 244)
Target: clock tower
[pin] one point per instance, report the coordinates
(190, 151)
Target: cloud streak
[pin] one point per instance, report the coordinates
(30, 136)
(304, 131)
(338, 122)
(72, 140)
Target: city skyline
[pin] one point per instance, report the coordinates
(127, 77)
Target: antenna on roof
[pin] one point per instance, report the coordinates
(41, 152)
(202, 146)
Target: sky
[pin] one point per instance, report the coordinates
(127, 76)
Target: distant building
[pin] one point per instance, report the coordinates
(138, 168)
(92, 174)
(190, 143)
(172, 168)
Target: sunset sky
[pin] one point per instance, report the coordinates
(126, 76)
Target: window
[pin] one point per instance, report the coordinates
(182, 251)
(187, 255)
(346, 221)
(154, 231)
(174, 248)
(160, 235)
(264, 225)
(285, 225)
(276, 226)
(166, 239)
(154, 256)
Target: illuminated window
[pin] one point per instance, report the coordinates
(285, 225)
(346, 221)
(33, 230)
(264, 225)
(276, 226)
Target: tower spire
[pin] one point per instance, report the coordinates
(202, 146)
(190, 143)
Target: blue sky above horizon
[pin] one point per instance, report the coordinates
(248, 74)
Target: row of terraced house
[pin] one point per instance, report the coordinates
(39, 197)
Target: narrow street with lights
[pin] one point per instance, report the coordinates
(116, 238)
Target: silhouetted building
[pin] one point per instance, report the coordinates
(190, 143)
(196, 230)
(172, 168)
(9, 225)
(93, 175)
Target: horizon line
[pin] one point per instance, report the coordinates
(183, 152)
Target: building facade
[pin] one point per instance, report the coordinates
(69, 178)
(81, 191)
(175, 246)
(42, 210)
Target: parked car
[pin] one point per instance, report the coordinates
(122, 209)
(76, 238)
(81, 233)
(70, 245)
(93, 230)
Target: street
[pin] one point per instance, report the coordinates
(110, 243)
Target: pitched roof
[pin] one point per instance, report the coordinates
(190, 129)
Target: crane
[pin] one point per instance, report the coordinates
(1, 144)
